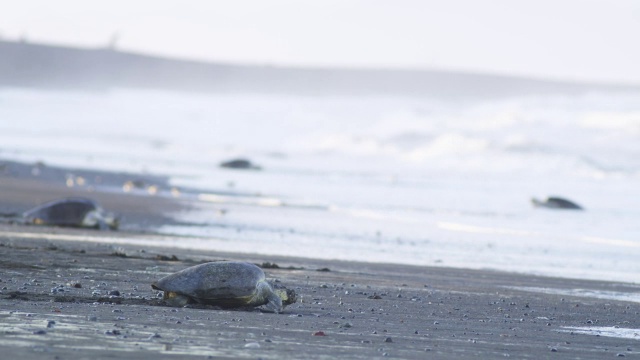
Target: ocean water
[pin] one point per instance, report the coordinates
(412, 180)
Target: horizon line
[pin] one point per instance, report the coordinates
(339, 67)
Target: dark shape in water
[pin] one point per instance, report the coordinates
(556, 203)
(224, 283)
(71, 212)
(241, 164)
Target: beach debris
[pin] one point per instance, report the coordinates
(554, 202)
(270, 265)
(133, 184)
(70, 212)
(140, 185)
(226, 284)
(73, 180)
(319, 333)
(167, 258)
(239, 164)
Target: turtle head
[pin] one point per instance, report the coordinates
(100, 220)
(288, 296)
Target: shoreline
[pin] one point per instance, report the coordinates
(153, 203)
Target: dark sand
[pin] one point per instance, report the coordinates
(57, 301)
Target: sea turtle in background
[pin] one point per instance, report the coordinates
(226, 284)
(241, 164)
(556, 203)
(70, 212)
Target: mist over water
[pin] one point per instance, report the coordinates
(403, 179)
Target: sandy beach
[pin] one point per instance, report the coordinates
(85, 294)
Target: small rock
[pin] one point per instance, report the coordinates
(50, 323)
(554, 349)
(388, 340)
(39, 332)
(114, 292)
(319, 333)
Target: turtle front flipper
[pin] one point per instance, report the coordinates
(266, 296)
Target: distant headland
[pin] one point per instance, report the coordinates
(32, 65)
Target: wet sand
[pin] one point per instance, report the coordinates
(64, 298)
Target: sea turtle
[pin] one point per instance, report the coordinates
(225, 284)
(241, 164)
(71, 212)
(556, 203)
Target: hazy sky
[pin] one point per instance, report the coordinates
(567, 39)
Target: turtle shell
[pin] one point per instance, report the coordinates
(70, 212)
(556, 203)
(223, 283)
(64, 212)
